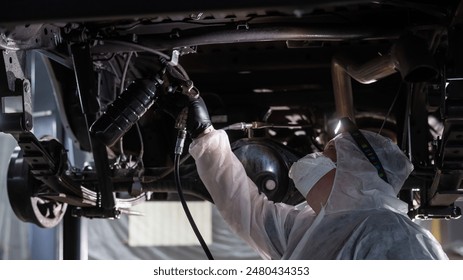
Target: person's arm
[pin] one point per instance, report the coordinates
(263, 224)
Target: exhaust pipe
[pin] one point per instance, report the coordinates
(409, 56)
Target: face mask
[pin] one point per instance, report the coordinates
(308, 170)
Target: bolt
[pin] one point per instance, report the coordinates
(26, 87)
(28, 125)
(270, 185)
(117, 213)
(196, 16)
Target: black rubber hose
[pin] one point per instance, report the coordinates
(185, 207)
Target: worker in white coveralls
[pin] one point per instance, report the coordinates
(353, 213)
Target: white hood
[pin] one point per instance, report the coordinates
(357, 184)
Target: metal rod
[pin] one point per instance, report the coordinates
(253, 33)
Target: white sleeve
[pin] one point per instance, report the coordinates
(263, 224)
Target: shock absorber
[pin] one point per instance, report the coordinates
(126, 110)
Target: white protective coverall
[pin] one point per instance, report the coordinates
(362, 219)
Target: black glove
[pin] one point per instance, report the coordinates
(198, 117)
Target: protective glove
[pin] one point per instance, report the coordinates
(198, 117)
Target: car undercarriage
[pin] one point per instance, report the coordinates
(276, 76)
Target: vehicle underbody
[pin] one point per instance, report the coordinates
(276, 77)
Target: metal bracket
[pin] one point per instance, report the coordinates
(15, 94)
(88, 91)
(30, 36)
(428, 213)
